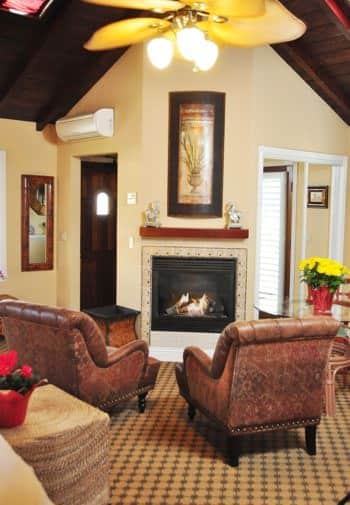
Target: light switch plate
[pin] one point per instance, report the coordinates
(131, 198)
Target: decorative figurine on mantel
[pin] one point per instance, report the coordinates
(233, 216)
(152, 215)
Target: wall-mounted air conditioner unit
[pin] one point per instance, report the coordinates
(97, 124)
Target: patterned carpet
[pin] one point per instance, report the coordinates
(159, 458)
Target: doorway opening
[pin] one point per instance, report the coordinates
(98, 248)
(314, 231)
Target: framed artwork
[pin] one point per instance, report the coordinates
(195, 159)
(317, 196)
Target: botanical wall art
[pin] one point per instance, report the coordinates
(196, 142)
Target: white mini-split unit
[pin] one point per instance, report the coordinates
(97, 124)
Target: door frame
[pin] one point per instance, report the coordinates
(338, 200)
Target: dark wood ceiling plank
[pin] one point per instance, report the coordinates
(321, 49)
(318, 80)
(340, 56)
(329, 14)
(38, 32)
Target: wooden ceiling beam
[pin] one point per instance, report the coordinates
(317, 79)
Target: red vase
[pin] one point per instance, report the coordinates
(309, 294)
(322, 300)
(13, 408)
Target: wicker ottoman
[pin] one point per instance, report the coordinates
(66, 441)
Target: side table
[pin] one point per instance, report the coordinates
(66, 441)
(117, 323)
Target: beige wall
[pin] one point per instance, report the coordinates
(121, 88)
(318, 219)
(266, 103)
(347, 227)
(27, 152)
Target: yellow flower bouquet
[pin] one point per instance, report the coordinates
(318, 272)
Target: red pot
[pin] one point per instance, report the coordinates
(322, 300)
(13, 408)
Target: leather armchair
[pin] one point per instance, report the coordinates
(67, 348)
(265, 375)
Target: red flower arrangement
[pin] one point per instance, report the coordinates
(20, 379)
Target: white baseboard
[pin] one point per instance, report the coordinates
(171, 353)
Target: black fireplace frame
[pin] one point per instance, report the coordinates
(205, 324)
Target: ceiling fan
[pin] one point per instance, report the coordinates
(197, 27)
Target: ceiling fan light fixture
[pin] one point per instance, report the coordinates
(206, 58)
(160, 52)
(189, 42)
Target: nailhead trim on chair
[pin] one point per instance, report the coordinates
(273, 426)
(110, 403)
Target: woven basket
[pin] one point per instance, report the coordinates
(66, 441)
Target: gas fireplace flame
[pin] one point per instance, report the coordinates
(190, 306)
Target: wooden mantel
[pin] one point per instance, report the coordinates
(204, 233)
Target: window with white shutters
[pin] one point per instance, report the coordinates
(273, 233)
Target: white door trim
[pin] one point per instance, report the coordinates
(338, 196)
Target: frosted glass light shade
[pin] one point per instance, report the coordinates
(160, 52)
(102, 204)
(207, 55)
(189, 41)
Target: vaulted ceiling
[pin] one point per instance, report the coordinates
(44, 69)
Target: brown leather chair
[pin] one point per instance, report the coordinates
(5, 297)
(67, 348)
(265, 375)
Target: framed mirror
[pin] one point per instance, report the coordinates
(37, 222)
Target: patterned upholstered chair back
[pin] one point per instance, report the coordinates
(264, 375)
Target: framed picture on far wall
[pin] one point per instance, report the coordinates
(196, 145)
(317, 196)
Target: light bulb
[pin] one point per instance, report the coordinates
(206, 55)
(160, 52)
(189, 41)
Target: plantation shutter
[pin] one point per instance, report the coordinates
(273, 232)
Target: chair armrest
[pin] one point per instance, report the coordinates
(202, 359)
(126, 350)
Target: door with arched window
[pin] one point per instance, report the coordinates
(98, 232)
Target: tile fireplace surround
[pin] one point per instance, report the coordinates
(168, 344)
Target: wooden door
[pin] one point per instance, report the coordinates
(98, 234)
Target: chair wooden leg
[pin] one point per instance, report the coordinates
(234, 448)
(191, 411)
(330, 394)
(310, 439)
(346, 499)
(142, 403)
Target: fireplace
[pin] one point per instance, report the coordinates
(193, 293)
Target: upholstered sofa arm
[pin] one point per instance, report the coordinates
(204, 361)
(117, 355)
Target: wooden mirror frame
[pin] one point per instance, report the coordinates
(29, 181)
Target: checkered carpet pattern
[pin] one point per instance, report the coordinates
(160, 458)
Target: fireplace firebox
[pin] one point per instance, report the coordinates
(193, 294)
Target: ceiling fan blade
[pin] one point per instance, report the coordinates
(125, 33)
(230, 8)
(276, 25)
(154, 5)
